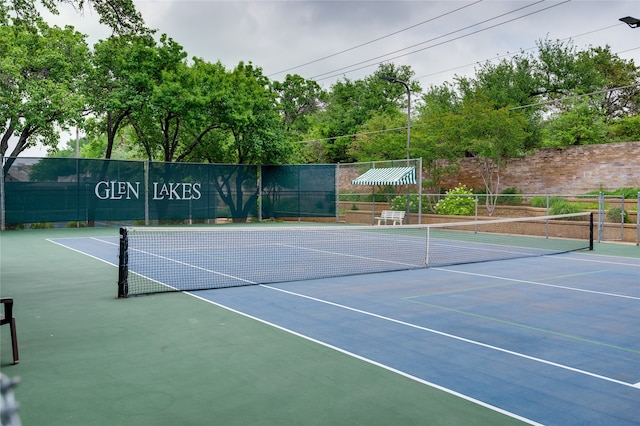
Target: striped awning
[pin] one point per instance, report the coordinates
(387, 176)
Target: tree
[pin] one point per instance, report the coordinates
(438, 140)
(350, 104)
(378, 138)
(251, 116)
(41, 69)
(250, 132)
(297, 100)
(626, 129)
(620, 79)
(124, 71)
(120, 15)
(492, 136)
(582, 124)
(158, 120)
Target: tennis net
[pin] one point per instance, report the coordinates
(154, 260)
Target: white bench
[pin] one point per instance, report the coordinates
(394, 216)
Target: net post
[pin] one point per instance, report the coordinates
(426, 255)
(591, 231)
(123, 264)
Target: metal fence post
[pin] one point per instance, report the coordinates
(146, 192)
(259, 200)
(419, 171)
(337, 197)
(622, 215)
(600, 217)
(2, 210)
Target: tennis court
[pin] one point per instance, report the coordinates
(540, 340)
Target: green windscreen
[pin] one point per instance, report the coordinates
(298, 191)
(63, 189)
(68, 189)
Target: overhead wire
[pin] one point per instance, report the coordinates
(431, 46)
(432, 39)
(376, 39)
(508, 54)
(552, 101)
(438, 44)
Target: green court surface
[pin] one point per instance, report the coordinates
(87, 358)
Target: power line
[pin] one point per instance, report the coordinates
(553, 101)
(375, 40)
(434, 45)
(430, 40)
(512, 54)
(510, 109)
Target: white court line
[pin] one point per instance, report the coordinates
(602, 293)
(462, 339)
(591, 260)
(82, 252)
(370, 361)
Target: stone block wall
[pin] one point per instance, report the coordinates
(571, 170)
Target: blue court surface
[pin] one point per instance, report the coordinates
(550, 340)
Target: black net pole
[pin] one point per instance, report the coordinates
(123, 264)
(591, 231)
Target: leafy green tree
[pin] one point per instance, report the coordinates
(620, 79)
(41, 69)
(124, 72)
(492, 136)
(511, 83)
(626, 129)
(249, 132)
(298, 99)
(158, 120)
(582, 124)
(120, 15)
(562, 72)
(351, 103)
(378, 138)
(253, 120)
(438, 140)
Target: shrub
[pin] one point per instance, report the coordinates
(542, 201)
(400, 203)
(74, 224)
(458, 201)
(563, 207)
(513, 197)
(41, 225)
(615, 215)
(628, 193)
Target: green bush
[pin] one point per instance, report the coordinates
(400, 203)
(513, 197)
(563, 207)
(41, 225)
(615, 214)
(628, 193)
(365, 198)
(458, 201)
(541, 201)
(75, 224)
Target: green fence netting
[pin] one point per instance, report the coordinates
(38, 190)
(298, 191)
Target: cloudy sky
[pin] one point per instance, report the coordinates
(329, 40)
